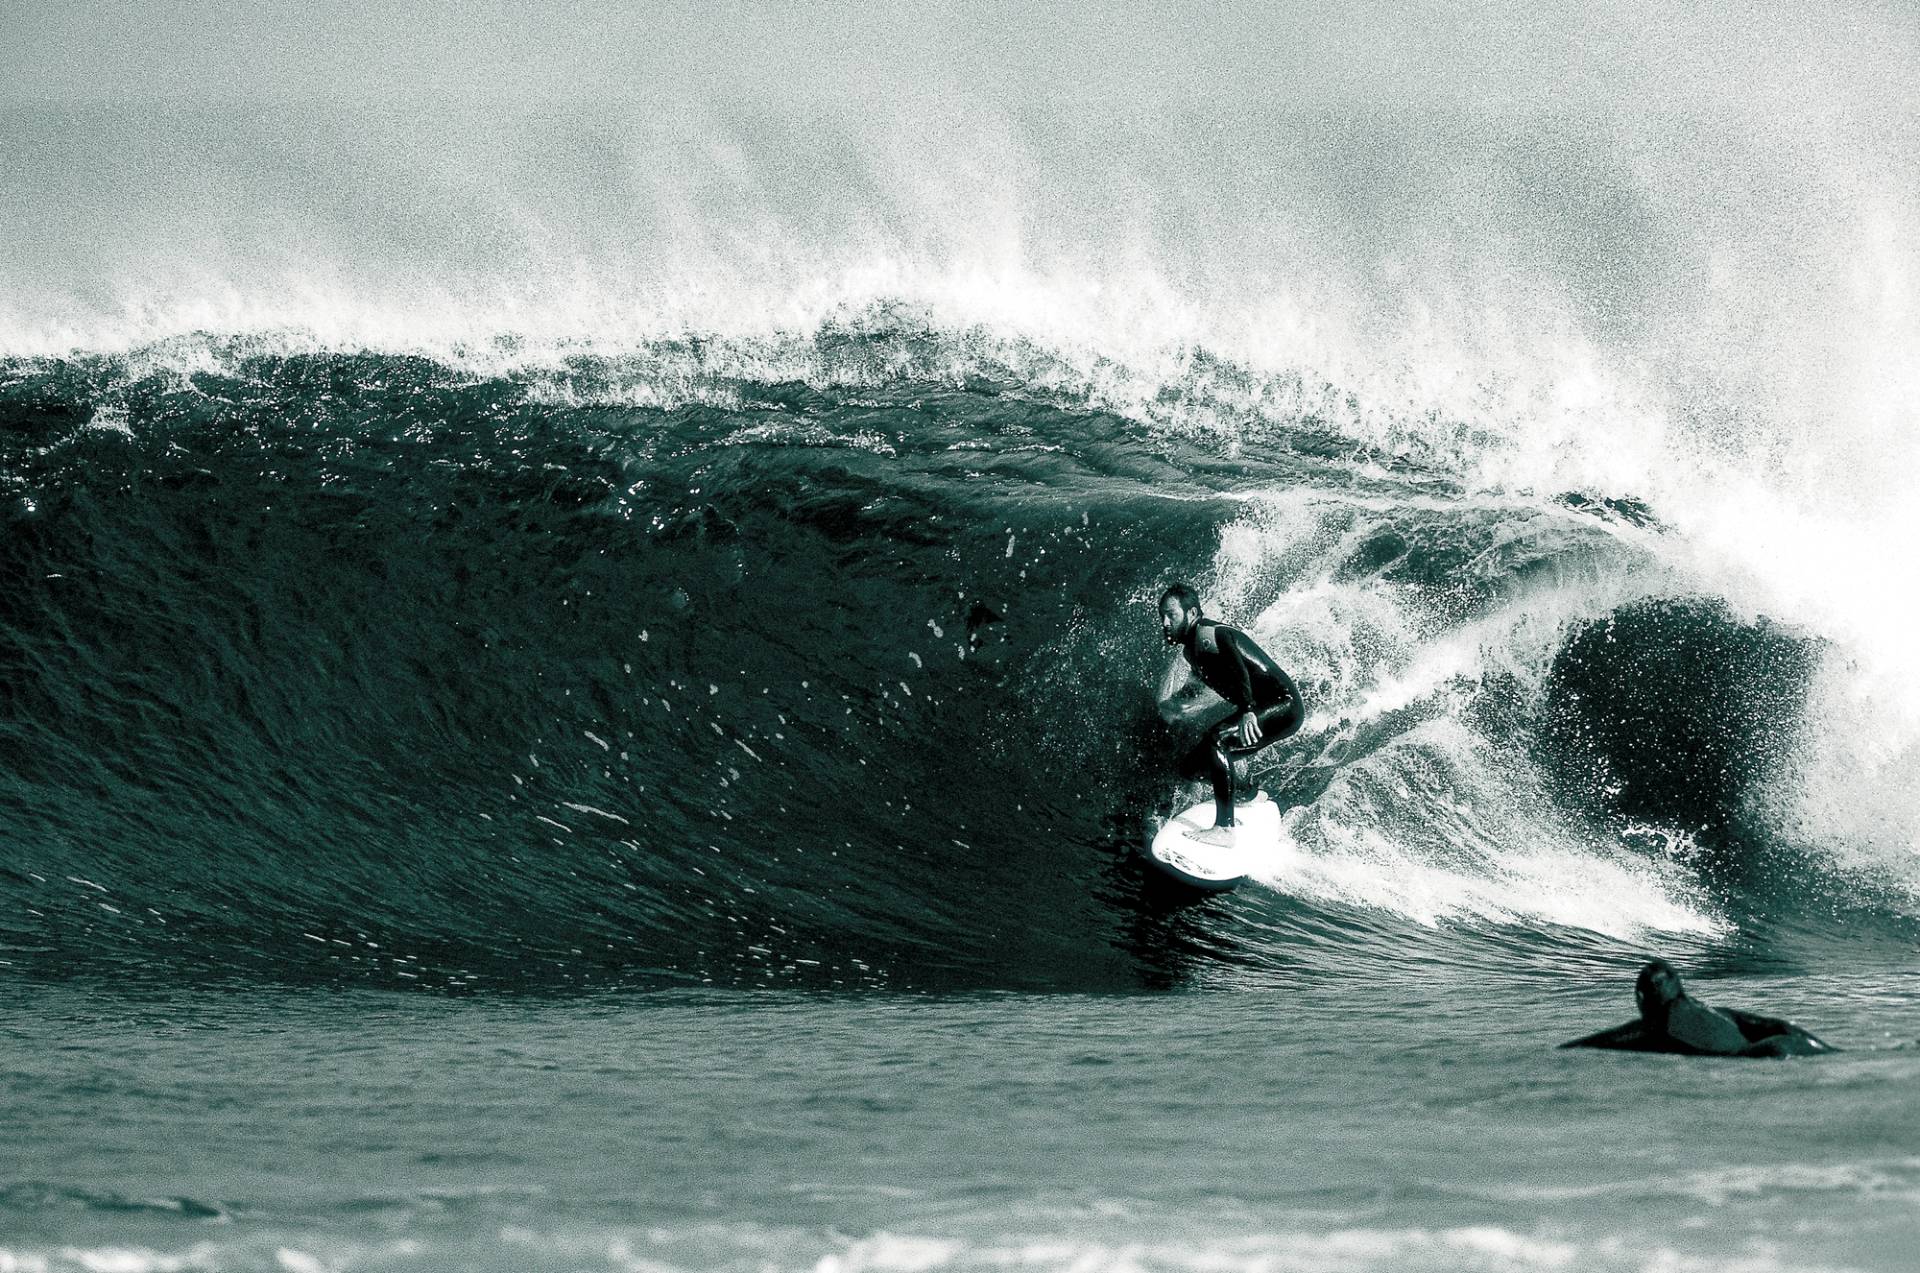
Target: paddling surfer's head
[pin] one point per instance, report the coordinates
(1179, 613)
(1657, 990)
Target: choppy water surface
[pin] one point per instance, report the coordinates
(1300, 1124)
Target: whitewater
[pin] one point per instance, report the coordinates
(578, 653)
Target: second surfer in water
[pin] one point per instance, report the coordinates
(1229, 663)
(1671, 1020)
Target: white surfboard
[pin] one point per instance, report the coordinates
(1213, 868)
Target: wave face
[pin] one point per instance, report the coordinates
(366, 667)
(714, 538)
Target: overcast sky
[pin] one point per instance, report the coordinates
(1471, 52)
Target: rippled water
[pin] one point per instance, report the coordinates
(1347, 1123)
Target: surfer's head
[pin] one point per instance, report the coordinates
(1179, 613)
(1657, 990)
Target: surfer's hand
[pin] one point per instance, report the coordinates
(1249, 730)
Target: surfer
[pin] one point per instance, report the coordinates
(1671, 1020)
(1229, 663)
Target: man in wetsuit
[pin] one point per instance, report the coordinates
(1671, 1020)
(1229, 663)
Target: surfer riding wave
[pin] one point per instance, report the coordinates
(1228, 662)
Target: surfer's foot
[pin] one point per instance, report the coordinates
(1220, 837)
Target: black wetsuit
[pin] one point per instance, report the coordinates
(1229, 663)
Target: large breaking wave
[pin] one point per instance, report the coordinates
(372, 667)
(614, 543)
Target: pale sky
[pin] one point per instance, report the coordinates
(1492, 53)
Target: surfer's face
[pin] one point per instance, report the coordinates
(1176, 620)
(1657, 989)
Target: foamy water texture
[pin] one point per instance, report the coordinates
(1359, 1251)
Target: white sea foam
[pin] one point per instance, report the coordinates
(1465, 1248)
(1424, 816)
(1434, 828)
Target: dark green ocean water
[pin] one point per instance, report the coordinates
(452, 826)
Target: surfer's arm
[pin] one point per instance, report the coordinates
(1185, 704)
(1237, 650)
(1621, 1036)
(1238, 686)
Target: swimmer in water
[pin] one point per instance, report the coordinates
(1671, 1020)
(1229, 663)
